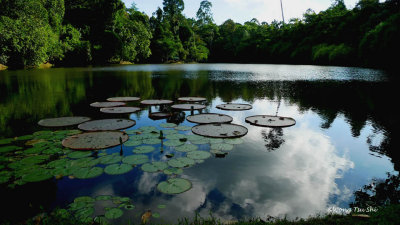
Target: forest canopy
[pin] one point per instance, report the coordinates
(87, 32)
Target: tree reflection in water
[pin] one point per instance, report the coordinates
(273, 138)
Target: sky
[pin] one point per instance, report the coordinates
(244, 10)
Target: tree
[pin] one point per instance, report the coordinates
(204, 14)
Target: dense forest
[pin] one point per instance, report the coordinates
(88, 32)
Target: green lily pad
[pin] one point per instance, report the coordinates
(106, 124)
(200, 141)
(84, 213)
(161, 206)
(175, 136)
(114, 213)
(181, 162)
(198, 155)
(37, 175)
(143, 149)
(52, 151)
(222, 147)
(34, 150)
(86, 173)
(234, 141)
(135, 159)
(10, 148)
(78, 155)
(168, 125)
(110, 159)
(86, 199)
(103, 197)
(63, 121)
(131, 143)
(154, 167)
(5, 176)
(152, 141)
(215, 140)
(117, 169)
(155, 215)
(174, 186)
(186, 148)
(148, 129)
(173, 170)
(83, 162)
(25, 137)
(79, 205)
(6, 141)
(129, 206)
(183, 128)
(57, 163)
(95, 140)
(168, 132)
(173, 143)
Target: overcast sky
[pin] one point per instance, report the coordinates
(244, 10)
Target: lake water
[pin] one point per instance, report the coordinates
(346, 134)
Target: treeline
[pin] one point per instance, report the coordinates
(82, 32)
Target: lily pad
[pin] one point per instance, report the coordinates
(156, 102)
(85, 199)
(10, 148)
(198, 155)
(220, 130)
(175, 136)
(143, 149)
(107, 104)
(78, 155)
(183, 128)
(117, 169)
(188, 107)
(159, 115)
(120, 110)
(234, 141)
(155, 215)
(192, 99)
(207, 118)
(6, 141)
(86, 173)
(63, 121)
(131, 143)
(148, 129)
(173, 143)
(168, 125)
(135, 159)
(200, 141)
(57, 163)
(25, 137)
(37, 175)
(234, 107)
(186, 148)
(168, 132)
(161, 206)
(85, 213)
(152, 141)
(107, 124)
(123, 99)
(154, 167)
(114, 213)
(181, 162)
(215, 140)
(173, 170)
(270, 121)
(95, 140)
(222, 147)
(103, 197)
(174, 186)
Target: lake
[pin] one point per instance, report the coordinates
(345, 136)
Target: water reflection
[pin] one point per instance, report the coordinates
(273, 138)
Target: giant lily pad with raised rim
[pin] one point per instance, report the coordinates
(107, 104)
(120, 110)
(117, 169)
(234, 107)
(207, 118)
(188, 107)
(174, 186)
(135, 159)
(159, 115)
(123, 99)
(192, 99)
(220, 130)
(270, 121)
(198, 155)
(95, 140)
(63, 121)
(106, 124)
(156, 102)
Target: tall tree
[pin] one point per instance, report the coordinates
(204, 14)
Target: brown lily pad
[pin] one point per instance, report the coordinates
(192, 99)
(120, 110)
(217, 130)
(270, 121)
(207, 118)
(159, 115)
(234, 107)
(63, 121)
(106, 124)
(123, 99)
(156, 102)
(188, 107)
(95, 140)
(107, 104)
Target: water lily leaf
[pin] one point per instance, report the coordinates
(173, 143)
(110, 159)
(222, 147)
(37, 175)
(156, 102)
(82, 162)
(198, 155)
(174, 186)
(201, 141)
(52, 151)
(6, 141)
(155, 215)
(86, 199)
(234, 141)
(84, 213)
(106, 124)
(5, 176)
(117, 169)
(143, 149)
(234, 107)
(186, 148)
(95, 140)
(107, 104)
(218, 153)
(270, 121)
(131, 143)
(215, 140)
(198, 161)
(123, 99)
(114, 213)
(152, 141)
(34, 150)
(101, 220)
(79, 205)
(183, 128)
(175, 136)
(78, 155)
(192, 99)
(154, 167)
(188, 107)
(181, 162)
(86, 173)
(120, 110)
(225, 130)
(161, 206)
(206, 118)
(63, 121)
(25, 137)
(135, 159)
(103, 197)
(173, 170)
(9, 148)
(168, 125)
(194, 137)
(129, 206)
(167, 132)
(57, 163)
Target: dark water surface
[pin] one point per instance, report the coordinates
(346, 134)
